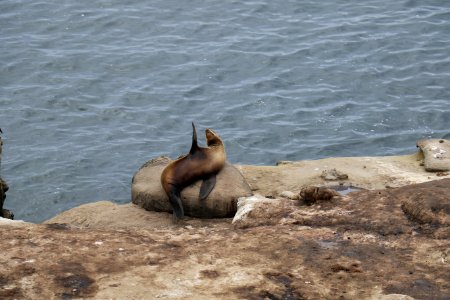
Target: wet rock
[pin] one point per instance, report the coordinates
(284, 162)
(5, 213)
(345, 189)
(3, 189)
(436, 153)
(147, 192)
(312, 194)
(333, 175)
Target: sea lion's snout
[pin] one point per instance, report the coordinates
(211, 137)
(209, 133)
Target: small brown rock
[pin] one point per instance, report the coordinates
(289, 195)
(312, 194)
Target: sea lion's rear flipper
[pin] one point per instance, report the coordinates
(207, 186)
(175, 201)
(194, 146)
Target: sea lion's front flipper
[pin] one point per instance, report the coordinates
(207, 186)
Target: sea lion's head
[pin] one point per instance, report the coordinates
(212, 138)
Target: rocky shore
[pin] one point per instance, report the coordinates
(336, 228)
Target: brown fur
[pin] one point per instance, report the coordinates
(200, 163)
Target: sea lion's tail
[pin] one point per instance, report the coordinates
(194, 146)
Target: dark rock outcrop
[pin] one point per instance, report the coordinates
(4, 213)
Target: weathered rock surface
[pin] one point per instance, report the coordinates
(402, 210)
(428, 204)
(389, 243)
(362, 246)
(147, 192)
(363, 172)
(436, 153)
(105, 214)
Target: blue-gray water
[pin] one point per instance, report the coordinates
(90, 90)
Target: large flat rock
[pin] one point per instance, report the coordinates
(391, 242)
(108, 215)
(364, 172)
(147, 191)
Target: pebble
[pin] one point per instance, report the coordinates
(289, 195)
(333, 175)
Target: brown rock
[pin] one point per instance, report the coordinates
(427, 203)
(436, 153)
(386, 212)
(393, 211)
(147, 192)
(99, 215)
(7, 214)
(312, 194)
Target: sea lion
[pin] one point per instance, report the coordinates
(199, 163)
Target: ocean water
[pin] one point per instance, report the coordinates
(90, 90)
